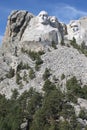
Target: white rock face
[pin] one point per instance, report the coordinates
(16, 24)
(78, 29)
(41, 28)
(43, 17)
(23, 27)
(33, 32)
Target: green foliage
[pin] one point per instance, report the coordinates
(62, 76)
(39, 61)
(11, 73)
(73, 86)
(71, 97)
(18, 78)
(19, 67)
(41, 52)
(64, 125)
(1, 79)
(31, 74)
(22, 66)
(48, 86)
(10, 119)
(45, 116)
(75, 90)
(78, 127)
(85, 128)
(34, 103)
(81, 48)
(23, 50)
(50, 110)
(83, 114)
(84, 92)
(62, 42)
(54, 97)
(14, 94)
(33, 55)
(37, 67)
(67, 111)
(74, 44)
(15, 51)
(46, 74)
(39, 121)
(25, 76)
(54, 45)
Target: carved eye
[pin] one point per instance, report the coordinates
(40, 15)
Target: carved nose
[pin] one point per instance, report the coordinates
(42, 16)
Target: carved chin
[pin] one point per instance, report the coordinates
(43, 21)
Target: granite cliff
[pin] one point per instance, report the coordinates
(36, 48)
(27, 33)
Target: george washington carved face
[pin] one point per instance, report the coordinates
(43, 17)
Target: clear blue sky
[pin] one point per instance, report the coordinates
(64, 10)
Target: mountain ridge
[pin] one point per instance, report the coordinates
(48, 36)
(43, 73)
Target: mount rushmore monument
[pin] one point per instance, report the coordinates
(43, 28)
(26, 32)
(25, 28)
(43, 53)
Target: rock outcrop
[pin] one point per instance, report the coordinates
(24, 27)
(16, 24)
(43, 29)
(25, 32)
(37, 48)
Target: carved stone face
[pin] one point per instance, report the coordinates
(75, 27)
(54, 21)
(74, 30)
(43, 17)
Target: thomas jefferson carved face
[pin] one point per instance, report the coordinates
(53, 21)
(43, 17)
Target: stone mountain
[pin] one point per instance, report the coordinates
(26, 37)
(37, 48)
